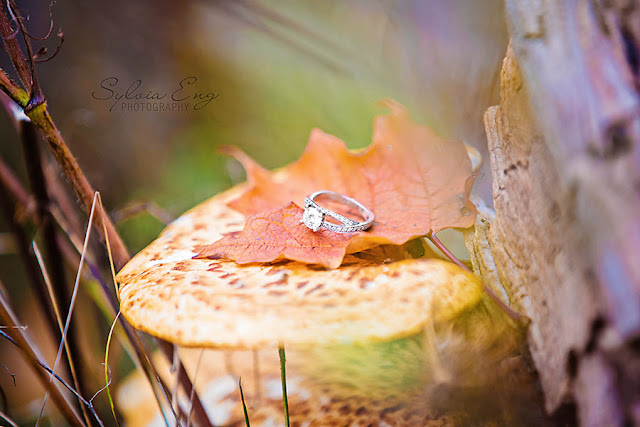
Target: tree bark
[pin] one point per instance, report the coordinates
(564, 147)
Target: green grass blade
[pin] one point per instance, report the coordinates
(244, 406)
(106, 368)
(283, 378)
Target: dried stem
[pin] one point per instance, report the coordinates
(10, 207)
(35, 108)
(193, 389)
(13, 186)
(53, 255)
(63, 208)
(139, 352)
(12, 47)
(8, 419)
(199, 413)
(41, 118)
(84, 401)
(36, 97)
(18, 335)
(135, 208)
(18, 95)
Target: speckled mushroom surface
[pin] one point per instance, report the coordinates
(375, 295)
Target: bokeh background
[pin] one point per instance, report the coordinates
(277, 68)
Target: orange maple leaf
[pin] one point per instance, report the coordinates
(415, 183)
(279, 233)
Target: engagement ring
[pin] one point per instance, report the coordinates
(314, 214)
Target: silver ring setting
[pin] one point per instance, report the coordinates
(314, 214)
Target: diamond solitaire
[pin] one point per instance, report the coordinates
(312, 218)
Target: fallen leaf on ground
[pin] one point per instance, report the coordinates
(413, 181)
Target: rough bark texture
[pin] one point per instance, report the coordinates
(565, 162)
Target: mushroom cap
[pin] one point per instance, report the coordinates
(374, 295)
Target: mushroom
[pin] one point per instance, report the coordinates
(381, 294)
(363, 340)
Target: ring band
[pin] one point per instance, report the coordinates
(314, 214)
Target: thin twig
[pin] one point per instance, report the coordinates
(7, 194)
(8, 419)
(61, 198)
(41, 118)
(36, 97)
(72, 303)
(199, 412)
(55, 52)
(65, 341)
(60, 295)
(143, 360)
(12, 47)
(107, 370)
(48, 370)
(135, 208)
(10, 207)
(152, 373)
(138, 352)
(174, 370)
(36, 110)
(15, 190)
(46, 36)
(19, 337)
(193, 389)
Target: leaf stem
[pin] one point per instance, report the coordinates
(434, 239)
(508, 311)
